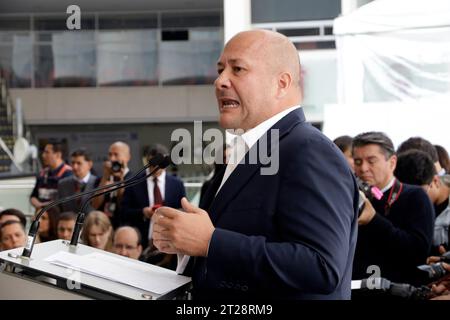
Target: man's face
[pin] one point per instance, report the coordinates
(49, 157)
(80, 166)
(65, 229)
(245, 85)
(119, 153)
(13, 236)
(372, 166)
(126, 244)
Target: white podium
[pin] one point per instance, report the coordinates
(39, 278)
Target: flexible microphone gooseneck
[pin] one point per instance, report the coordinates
(82, 214)
(26, 253)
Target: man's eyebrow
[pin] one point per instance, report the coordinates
(231, 61)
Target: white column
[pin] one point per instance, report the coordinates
(236, 17)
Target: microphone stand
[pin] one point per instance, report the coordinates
(26, 253)
(82, 215)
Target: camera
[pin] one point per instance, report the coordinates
(116, 166)
(434, 270)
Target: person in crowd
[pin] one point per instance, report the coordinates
(140, 200)
(288, 232)
(114, 169)
(12, 235)
(395, 232)
(344, 143)
(440, 191)
(127, 242)
(97, 231)
(66, 225)
(46, 187)
(13, 214)
(47, 225)
(82, 180)
(416, 167)
(443, 157)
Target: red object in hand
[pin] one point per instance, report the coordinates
(156, 206)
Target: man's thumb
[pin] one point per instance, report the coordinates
(187, 206)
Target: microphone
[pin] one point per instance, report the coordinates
(165, 161)
(26, 253)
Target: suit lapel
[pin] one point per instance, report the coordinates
(245, 170)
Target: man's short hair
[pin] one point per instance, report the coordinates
(67, 216)
(153, 150)
(58, 145)
(82, 152)
(378, 138)
(14, 212)
(8, 223)
(419, 143)
(415, 167)
(138, 233)
(344, 143)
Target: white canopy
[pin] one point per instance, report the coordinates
(394, 15)
(393, 64)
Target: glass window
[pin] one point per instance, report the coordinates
(124, 22)
(294, 10)
(127, 58)
(193, 61)
(191, 19)
(15, 61)
(58, 22)
(68, 61)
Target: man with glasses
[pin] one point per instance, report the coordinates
(127, 242)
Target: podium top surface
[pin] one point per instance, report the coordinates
(38, 265)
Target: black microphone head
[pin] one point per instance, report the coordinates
(165, 162)
(156, 160)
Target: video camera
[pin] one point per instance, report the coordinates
(436, 270)
(369, 191)
(381, 286)
(116, 166)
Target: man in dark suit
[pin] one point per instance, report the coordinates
(81, 180)
(395, 232)
(285, 234)
(140, 200)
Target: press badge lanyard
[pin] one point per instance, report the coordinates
(396, 189)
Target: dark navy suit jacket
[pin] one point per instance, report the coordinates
(135, 198)
(290, 235)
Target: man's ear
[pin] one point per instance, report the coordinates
(437, 181)
(393, 162)
(284, 84)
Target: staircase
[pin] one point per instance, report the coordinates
(6, 124)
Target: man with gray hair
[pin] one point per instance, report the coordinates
(396, 232)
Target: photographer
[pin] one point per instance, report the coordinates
(114, 169)
(396, 232)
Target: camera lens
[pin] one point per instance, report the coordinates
(116, 166)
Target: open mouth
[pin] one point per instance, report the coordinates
(228, 104)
